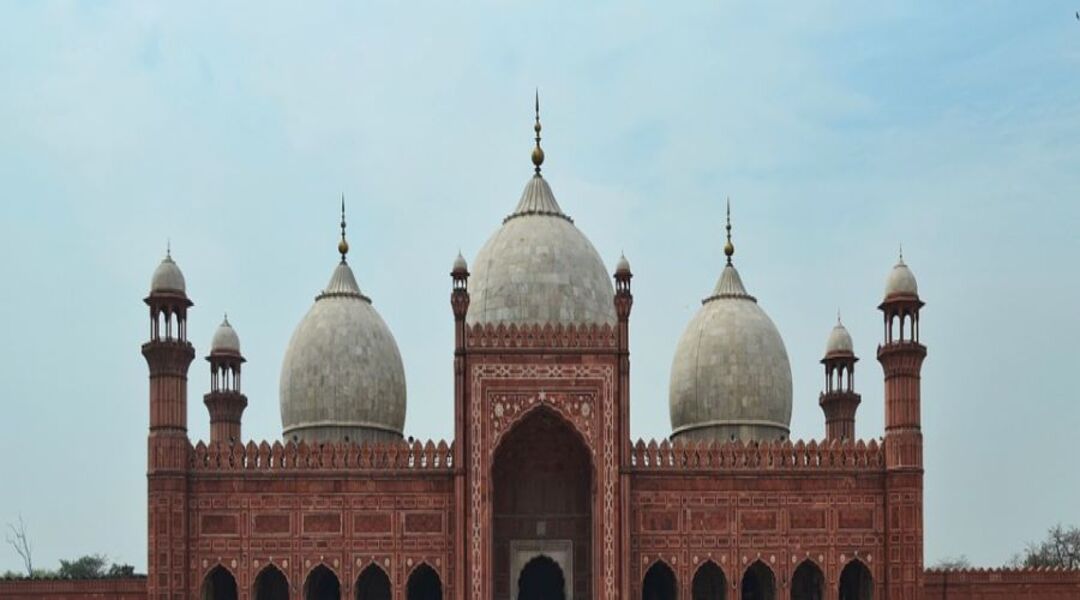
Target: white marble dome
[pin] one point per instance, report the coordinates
(901, 281)
(342, 378)
(225, 340)
(539, 268)
(168, 277)
(839, 341)
(730, 378)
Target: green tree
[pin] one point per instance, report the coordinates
(1061, 548)
(91, 566)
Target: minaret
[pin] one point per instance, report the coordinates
(901, 357)
(225, 402)
(459, 302)
(168, 354)
(839, 400)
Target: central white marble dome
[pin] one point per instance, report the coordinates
(539, 268)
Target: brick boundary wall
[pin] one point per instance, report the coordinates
(131, 588)
(1016, 584)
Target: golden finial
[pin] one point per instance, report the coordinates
(729, 248)
(343, 246)
(538, 152)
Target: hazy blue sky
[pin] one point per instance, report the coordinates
(838, 130)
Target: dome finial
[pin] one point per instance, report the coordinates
(729, 248)
(838, 321)
(343, 245)
(168, 248)
(901, 252)
(538, 152)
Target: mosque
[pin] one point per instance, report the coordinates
(541, 495)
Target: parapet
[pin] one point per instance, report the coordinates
(740, 456)
(291, 456)
(546, 336)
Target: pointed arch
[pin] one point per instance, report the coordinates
(424, 583)
(856, 581)
(709, 582)
(322, 583)
(807, 582)
(219, 584)
(758, 582)
(270, 584)
(659, 583)
(373, 584)
(541, 579)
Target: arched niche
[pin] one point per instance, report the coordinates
(424, 584)
(709, 582)
(219, 584)
(856, 583)
(270, 584)
(541, 579)
(758, 582)
(659, 583)
(373, 584)
(322, 584)
(808, 582)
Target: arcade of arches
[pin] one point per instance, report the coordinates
(542, 495)
(322, 584)
(758, 583)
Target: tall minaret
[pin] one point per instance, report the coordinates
(901, 357)
(168, 354)
(839, 400)
(225, 402)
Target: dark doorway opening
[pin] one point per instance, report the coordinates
(322, 584)
(219, 585)
(373, 584)
(808, 582)
(709, 583)
(659, 583)
(424, 584)
(758, 583)
(271, 585)
(856, 582)
(541, 579)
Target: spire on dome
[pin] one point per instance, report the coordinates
(729, 248)
(538, 152)
(343, 245)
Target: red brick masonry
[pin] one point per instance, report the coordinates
(132, 588)
(1015, 584)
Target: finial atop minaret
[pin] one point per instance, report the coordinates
(343, 245)
(729, 248)
(538, 152)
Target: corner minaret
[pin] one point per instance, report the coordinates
(839, 400)
(225, 402)
(901, 357)
(168, 352)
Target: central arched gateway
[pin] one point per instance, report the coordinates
(542, 507)
(541, 579)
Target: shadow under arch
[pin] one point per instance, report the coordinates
(659, 583)
(856, 581)
(270, 584)
(219, 584)
(808, 581)
(373, 584)
(541, 579)
(424, 583)
(322, 583)
(542, 477)
(709, 582)
(758, 582)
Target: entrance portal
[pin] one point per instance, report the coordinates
(541, 579)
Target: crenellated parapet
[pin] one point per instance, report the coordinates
(1043, 583)
(291, 456)
(547, 336)
(737, 455)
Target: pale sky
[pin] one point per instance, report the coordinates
(839, 131)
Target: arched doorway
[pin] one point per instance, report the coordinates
(541, 579)
(271, 585)
(373, 584)
(709, 583)
(856, 582)
(758, 583)
(424, 584)
(322, 584)
(542, 497)
(219, 585)
(808, 582)
(659, 583)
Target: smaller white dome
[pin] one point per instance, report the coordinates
(839, 341)
(459, 264)
(225, 340)
(167, 277)
(901, 281)
(623, 266)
